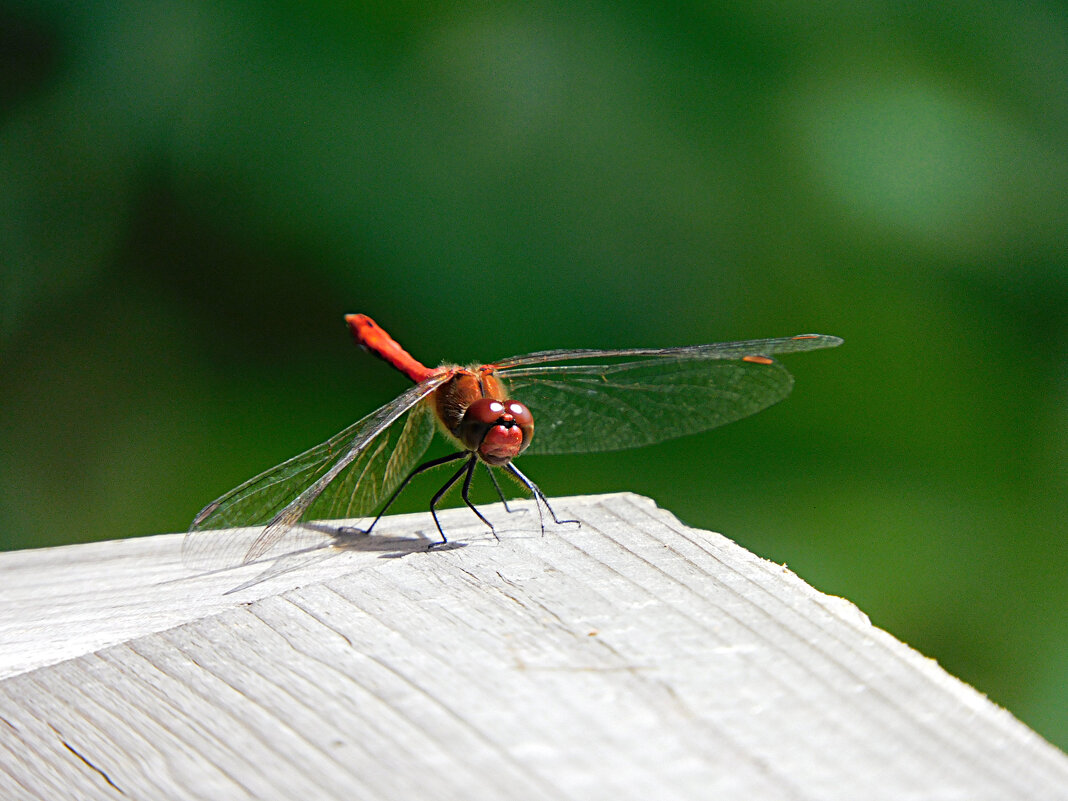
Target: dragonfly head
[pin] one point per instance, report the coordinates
(498, 430)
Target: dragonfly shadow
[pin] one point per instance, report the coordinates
(336, 541)
(349, 538)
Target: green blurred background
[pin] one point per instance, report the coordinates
(193, 194)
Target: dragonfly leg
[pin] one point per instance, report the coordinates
(452, 457)
(497, 486)
(467, 467)
(467, 488)
(536, 490)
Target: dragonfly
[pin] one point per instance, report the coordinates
(583, 401)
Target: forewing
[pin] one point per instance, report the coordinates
(717, 350)
(587, 408)
(346, 476)
(370, 478)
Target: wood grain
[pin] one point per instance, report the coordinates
(629, 658)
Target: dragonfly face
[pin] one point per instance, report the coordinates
(498, 431)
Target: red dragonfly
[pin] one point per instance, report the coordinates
(640, 397)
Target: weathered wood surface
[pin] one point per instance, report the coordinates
(630, 658)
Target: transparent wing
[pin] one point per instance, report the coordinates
(717, 350)
(673, 392)
(346, 476)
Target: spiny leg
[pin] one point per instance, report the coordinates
(466, 467)
(467, 488)
(452, 457)
(534, 488)
(497, 486)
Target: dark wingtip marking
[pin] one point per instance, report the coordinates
(204, 513)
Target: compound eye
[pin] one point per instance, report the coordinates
(521, 414)
(486, 410)
(479, 418)
(524, 419)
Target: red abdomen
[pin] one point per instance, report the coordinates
(373, 338)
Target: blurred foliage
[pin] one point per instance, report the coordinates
(192, 194)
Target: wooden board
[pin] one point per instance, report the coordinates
(629, 658)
